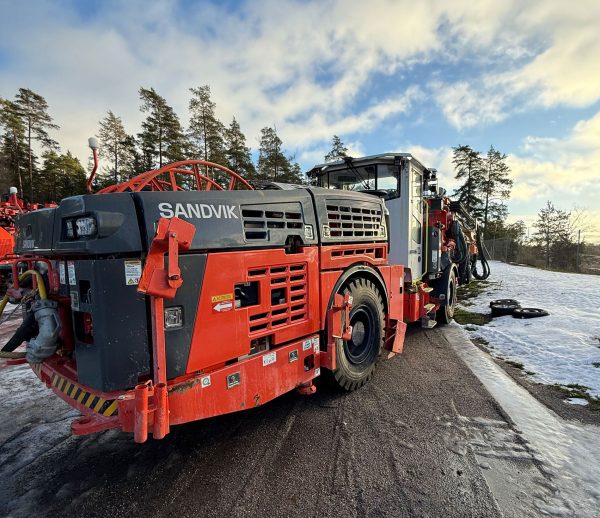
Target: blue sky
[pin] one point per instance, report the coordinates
(384, 75)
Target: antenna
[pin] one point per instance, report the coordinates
(93, 143)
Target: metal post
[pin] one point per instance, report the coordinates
(577, 263)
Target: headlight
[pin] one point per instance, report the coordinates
(85, 226)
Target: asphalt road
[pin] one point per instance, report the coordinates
(389, 449)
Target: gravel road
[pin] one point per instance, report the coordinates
(393, 448)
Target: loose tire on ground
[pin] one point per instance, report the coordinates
(503, 302)
(356, 358)
(502, 310)
(445, 314)
(529, 313)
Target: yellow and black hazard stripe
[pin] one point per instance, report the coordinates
(105, 407)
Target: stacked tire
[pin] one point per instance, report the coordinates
(504, 307)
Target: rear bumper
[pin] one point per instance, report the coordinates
(245, 384)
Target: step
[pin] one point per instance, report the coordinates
(429, 289)
(429, 307)
(428, 323)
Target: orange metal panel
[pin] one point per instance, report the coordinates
(223, 332)
(342, 256)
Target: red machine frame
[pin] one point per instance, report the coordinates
(297, 358)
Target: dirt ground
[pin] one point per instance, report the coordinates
(389, 449)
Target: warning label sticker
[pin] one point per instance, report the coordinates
(306, 345)
(205, 381)
(269, 358)
(220, 307)
(221, 298)
(71, 269)
(75, 300)
(133, 272)
(62, 273)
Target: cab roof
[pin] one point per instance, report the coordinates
(383, 158)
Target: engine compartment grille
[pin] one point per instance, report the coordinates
(287, 287)
(352, 221)
(258, 220)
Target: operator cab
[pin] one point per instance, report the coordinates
(401, 180)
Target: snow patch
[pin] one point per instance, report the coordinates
(561, 348)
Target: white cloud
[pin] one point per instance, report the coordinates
(306, 67)
(541, 54)
(465, 107)
(565, 171)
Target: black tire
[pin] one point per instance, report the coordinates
(356, 358)
(503, 302)
(445, 314)
(529, 313)
(502, 310)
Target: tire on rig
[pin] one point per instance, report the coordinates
(445, 314)
(356, 358)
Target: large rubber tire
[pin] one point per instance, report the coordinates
(503, 302)
(356, 358)
(502, 310)
(529, 313)
(445, 314)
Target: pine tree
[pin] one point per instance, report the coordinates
(206, 131)
(237, 153)
(115, 146)
(495, 186)
(295, 174)
(33, 110)
(338, 150)
(61, 176)
(552, 230)
(162, 139)
(13, 145)
(273, 165)
(469, 168)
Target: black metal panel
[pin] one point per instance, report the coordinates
(118, 229)
(220, 221)
(434, 250)
(120, 351)
(179, 340)
(35, 231)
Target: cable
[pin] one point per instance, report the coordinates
(485, 267)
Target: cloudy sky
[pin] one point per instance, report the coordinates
(384, 75)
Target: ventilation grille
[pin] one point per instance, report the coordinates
(373, 252)
(257, 221)
(288, 292)
(349, 221)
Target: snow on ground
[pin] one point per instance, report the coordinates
(561, 348)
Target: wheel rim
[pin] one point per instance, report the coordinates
(357, 349)
(451, 298)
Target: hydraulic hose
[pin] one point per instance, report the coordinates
(461, 244)
(485, 267)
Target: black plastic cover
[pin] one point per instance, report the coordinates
(35, 232)
(233, 219)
